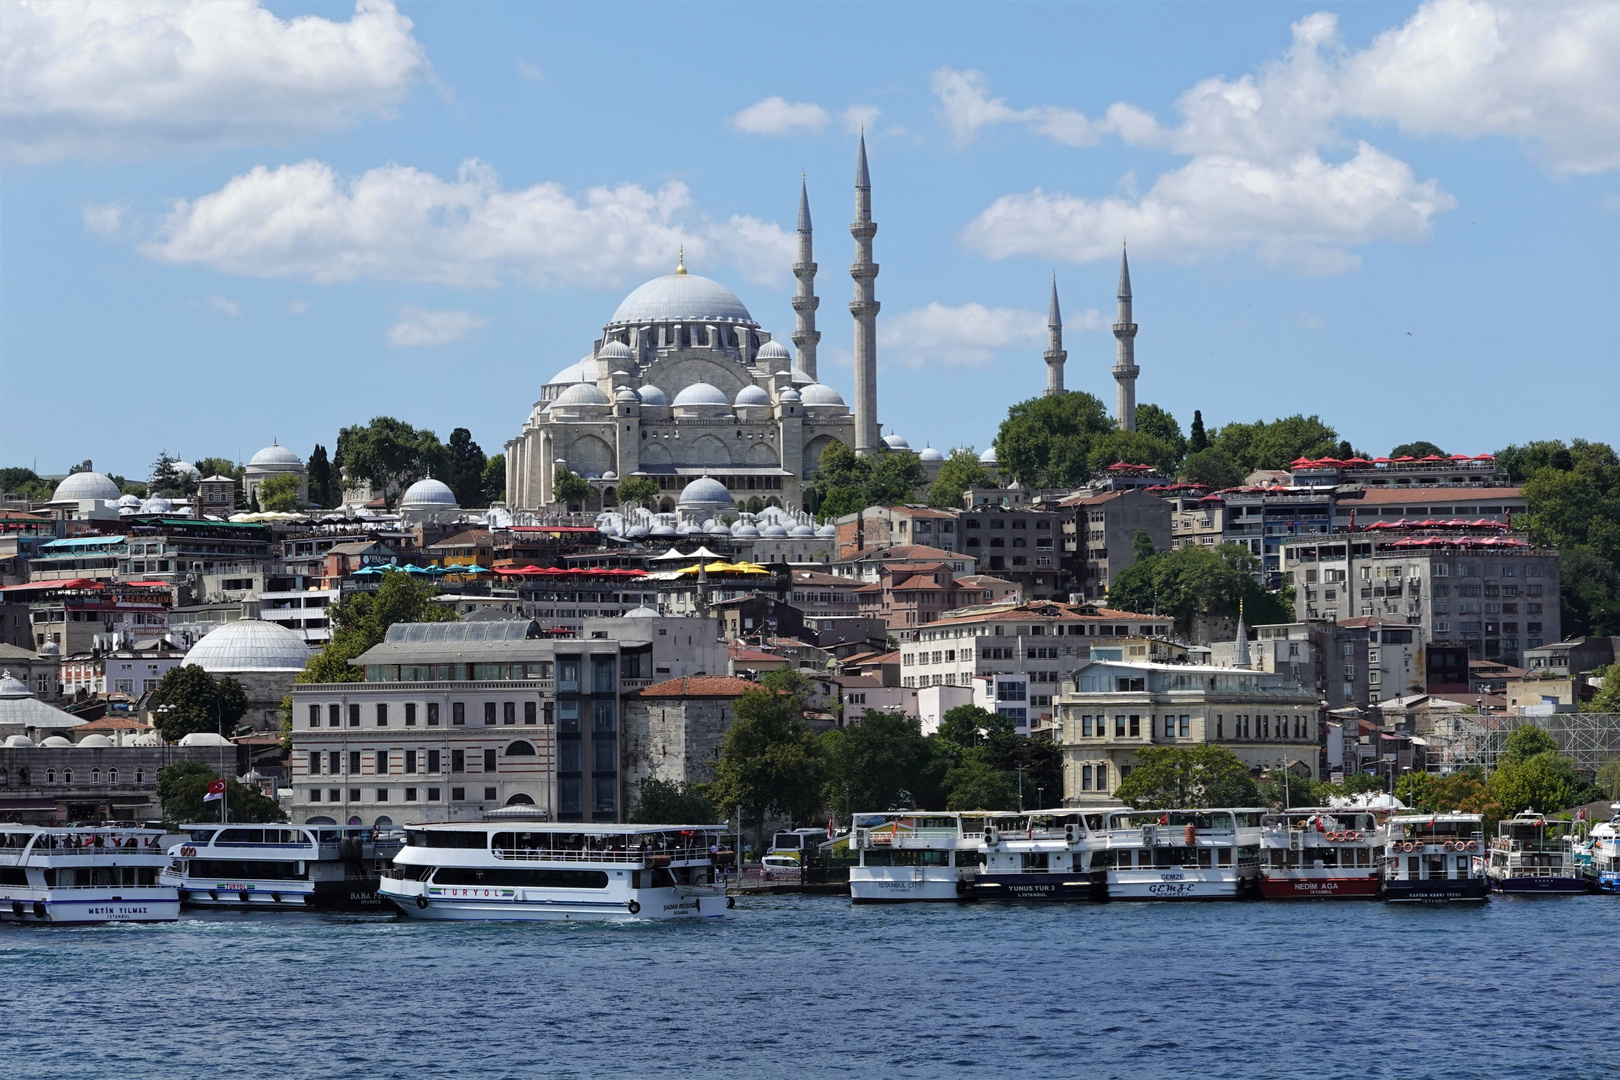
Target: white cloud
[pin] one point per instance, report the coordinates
(1302, 213)
(967, 335)
(106, 220)
(86, 79)
(530, 71)
(858, 118)
(222, 306)
(402, 224)
(418, 326)
(777, 116)
(966, 106)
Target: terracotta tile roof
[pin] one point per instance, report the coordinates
(901, 553)
(815, 577)
(699, 686)
(1396, 496)
(1051, 610)
(111, 723)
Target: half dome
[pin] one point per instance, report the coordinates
(753, 395)
(652, 395)
(615, 350)
(86, 485)
(680, 298)
(582, 393)
(573, 373)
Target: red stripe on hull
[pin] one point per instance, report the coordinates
(1357, 888)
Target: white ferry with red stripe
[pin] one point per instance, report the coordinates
(1321, 854)
(83, 874)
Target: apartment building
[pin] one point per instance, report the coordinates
(1359, 661)
(1098, 531)
(1020, 544)
(818, 594)
(891, 526)
(866, 563)
(1363, 508)
(1108, 711)
(910, 595)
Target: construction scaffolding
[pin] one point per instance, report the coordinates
(1460, 741)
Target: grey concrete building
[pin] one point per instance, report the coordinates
(1098, 532)
(673, 729)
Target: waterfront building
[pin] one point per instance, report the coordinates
(1111, 709)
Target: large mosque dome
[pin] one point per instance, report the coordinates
(681, 297)
(86, 485)
(250, 645)
(429, 494)
(276, 455)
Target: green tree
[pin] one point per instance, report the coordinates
(1142, 548)
(280, 493)
(389, 455)
(465, 476)
(755, 504)
(1462, 792)
(959, 471)
(1607, 699)
(167, 481)
(25, 482)
(973, 783)
(770, 763)
(362, 620)
(1285, 791)
(896, 476)
(970, 725)
(1197, 580)
(869, 764)
(1608, 778)
(1187, 777)
(1047, 441)
(182, 786)
(642, 491)
(672, 802)
(1211, 466)
(320, 479)
(1132, 448)
(1157, 422)
(787, 681)
(495, 479)
(1273, 445)
(1419, 449)
(1196, 439)
(1546, 781)
(1525, 742)
(568, 488)
(188, 699)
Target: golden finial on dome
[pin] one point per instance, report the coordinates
(680, 262)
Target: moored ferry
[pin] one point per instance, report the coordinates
(1320, 853)
(1435, 858)
(1181, 854)
(280, 867)
(915, 856)
(1047, 855)
(1599, 854)
(83, 874)
(1534, 856)
(556, 871)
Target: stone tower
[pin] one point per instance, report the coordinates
(1055, 356)
(805, 301)
(865, 309)
(1125, 369)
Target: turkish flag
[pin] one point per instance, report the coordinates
(216, 790)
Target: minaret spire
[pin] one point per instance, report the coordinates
(1055, 355)
(805, 301)
(865, 309)
(1125, 369)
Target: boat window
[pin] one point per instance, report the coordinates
(241, 836)
(514, 878)
(455, 839)
(201, 836)
(232, 870)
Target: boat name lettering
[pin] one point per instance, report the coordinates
(684, 905)
(1183, 888)
(1172, 877)
(115, 912)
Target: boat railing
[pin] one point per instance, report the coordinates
(649, 856)
(1171, 836)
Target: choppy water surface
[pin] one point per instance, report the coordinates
(811, 986)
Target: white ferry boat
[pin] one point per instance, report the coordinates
(1435, 858)
(915, 856)
(83, 874)
(280, 867)
(1048, 855)
(1320, 853)
(1182, 854)
(1599, 854)
(1534, 856)
(556, 871)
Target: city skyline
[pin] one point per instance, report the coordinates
(437, 212)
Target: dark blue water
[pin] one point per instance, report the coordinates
(812, 987)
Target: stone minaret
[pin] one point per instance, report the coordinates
(865, 308)
(1125, 369)
(1055, 356)
(805, 302)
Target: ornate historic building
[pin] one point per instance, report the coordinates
(684, 383)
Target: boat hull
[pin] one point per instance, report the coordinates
(1319, 888)
(1186, 884)
(501, 904)
(1063, 886)
(271, 895)
(1606, 882)
(1437, 891)
(135, 905)
(1539, 886)
(903, 884)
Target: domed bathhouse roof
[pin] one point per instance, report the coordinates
(773, 532)
(828, 530)
(744, 531)
(775, 352)
(642, 612)
(55, 740)
(157, 506)
(429, 494)
(801, 532)
(821, 394)
(988, 457)
(17, 740)
(704, 491)
(130, 500)
(752, 395)
(652, 395)
(203, 738)
(275, 454)
(681, 297)
(94, 741)
(896, 442)
(250, 645)
(583, 393)
(86, 485)
(929, 453)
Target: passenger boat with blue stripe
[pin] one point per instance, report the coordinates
(1435, 859)
(83, 874)
(1534, 856)
(1182, 854)
(556, 872)
(281, 867)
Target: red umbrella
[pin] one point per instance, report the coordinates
(1380, 461)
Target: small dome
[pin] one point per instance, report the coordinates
(821, 394)
(186, 468)
(701, 393)
(680, 297)
(50, 648)
(203, 738)
(86, 485)
(828, 530)
(896, 442)
(744, 531)
(94, 741)
(752, 395)
(652, 395)
(157, 506)
(801, 531)
(636, 532)
(276, 455)
(662, 531)
(705, 491)
(626, 396)
(773, 350)
(250, 645)
(988, 457)
(12, 688)
(930, 454)
(774, 532)
(642, 612)
(133, 501)
(615, 350)
(581, 371)
(429, 494)
(801, 377)
(582, 393)
(56, 740)
(17, 740)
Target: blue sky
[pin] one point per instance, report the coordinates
(230, 223)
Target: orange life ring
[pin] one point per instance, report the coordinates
(1473, 846)
(1353, 837)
